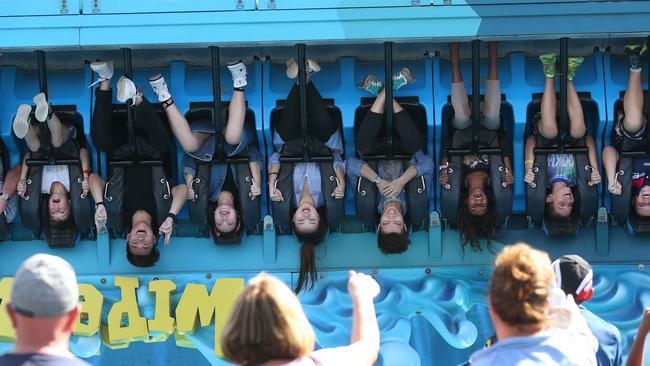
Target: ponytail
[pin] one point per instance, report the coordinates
(307, 275)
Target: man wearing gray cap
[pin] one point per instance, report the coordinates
(43, 308)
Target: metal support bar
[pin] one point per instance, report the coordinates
(563, 123)
(302, 82)
(42, 72)
(388, 90)
(313, 159)
(128, 72)
(602, 232)
(555, 150)
(484, 151)
(216, 99)
(384, 157)
(476, 93)
(43, 162)
(435, 237)
(270, 247)
(123, 163)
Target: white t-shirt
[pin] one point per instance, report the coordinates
(55, 173)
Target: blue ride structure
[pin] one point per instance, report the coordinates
(432, 309)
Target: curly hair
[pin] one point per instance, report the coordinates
(472, 228)
(393, 243)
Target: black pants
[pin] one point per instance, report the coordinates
(371, 136)
(109, 135)
(319, 122)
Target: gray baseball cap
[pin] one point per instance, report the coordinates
(44, 286)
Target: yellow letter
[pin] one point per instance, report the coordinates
(91, 310)
(136, 328)
(162, 321)
(7, 332)
(195, 299)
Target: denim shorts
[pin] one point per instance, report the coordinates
(205, 152)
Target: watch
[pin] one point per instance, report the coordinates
(4, 196)
(377, 180)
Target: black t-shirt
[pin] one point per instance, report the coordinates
(37, 359)
(138, 194)
(229, 184)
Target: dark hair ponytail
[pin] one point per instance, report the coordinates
(307, 274)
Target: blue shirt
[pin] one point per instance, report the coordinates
(554, 347)
(609, 339)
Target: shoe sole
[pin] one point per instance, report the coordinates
(121, 90)
(408, 75)
(292, 69)
(42, 108)
(367, 81)
(21, 121)
(313, 66)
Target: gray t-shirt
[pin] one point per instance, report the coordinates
(38, 359)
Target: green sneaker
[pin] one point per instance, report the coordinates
(371, 84)
(574, 63)
(633, 52)
(404, 77)
(548, 62)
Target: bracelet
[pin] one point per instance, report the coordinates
(529, 162)
(273, 173)
(86, 171)
(173, 216)
(100, 203)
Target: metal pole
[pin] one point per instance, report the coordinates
(128, 72)
(302, 83)
(42, 72)
(216, 99)
(564, 66)
(476, 93)
(388, 90)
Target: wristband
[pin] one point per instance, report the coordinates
(100, 203)
(173, 216)
(273, 173)
(529, 162)
(86, 171)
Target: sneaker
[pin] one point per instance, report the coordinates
(159, 87)
(126, 90)
(238, 71)
(402, 78)
(312, 66)
(104, 69)
(574, 63)
(292, 68)
(21, 120)
(548, 62)
(42, 107)
(634, 61)
(372, 84)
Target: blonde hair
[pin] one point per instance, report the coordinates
(519, 286)
(266, 323)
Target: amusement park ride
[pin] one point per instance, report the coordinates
(432, 309)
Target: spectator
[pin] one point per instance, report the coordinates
(44, 307)
(635, 357)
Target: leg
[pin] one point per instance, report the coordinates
(633, 103)
(321, 124)
(368, 132)
(610, 160)
(492, 104)
(459, 100)
(59, 131)
(33, 138)
(288, 127)
(236, 117)
(190, 141)
(409, 136)
(577, 125)
(146, 118)
(548, 123)
(100, 129)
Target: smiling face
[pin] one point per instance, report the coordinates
(225, 218)
(141, 239)
(477, 201)
(561, 197)
(306, 218)
(59, 203)
(392, 219)
(642, 202)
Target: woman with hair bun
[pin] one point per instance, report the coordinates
(525, 307)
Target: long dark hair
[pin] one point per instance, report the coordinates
(307, 274)
(58, 233)
(557, 225)
(220, 236)
(472, 228)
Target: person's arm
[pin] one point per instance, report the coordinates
(364, 340)
(443, 177)
(256, 175)
(529, 156)
(10, 185)
(610, 160)
(274, 172)
(24, 169)
(593, 160)
(635, 357)
(97, 185)
(395, 187)
(179, 194)
(84, 158)
(339, 170)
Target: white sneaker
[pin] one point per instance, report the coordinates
(312, 66)
(42, 107)
(104, 69)
(21, 120)
(238, 71)
(159, 87)
(292, 68)
(126, 90)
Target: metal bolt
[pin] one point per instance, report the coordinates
(427, 270)
(103, 280)
(374, 273)
(208, 275)
(322, 276)
(156, 278)
(268, 227)
(641, 267)
(481, 272)
(418, 313)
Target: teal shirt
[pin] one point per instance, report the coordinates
(561, 168)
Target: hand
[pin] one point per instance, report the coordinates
(362, 286)
(275, 193)
(510, 179)
(255, 190)
(3, 205)
(101, 218)
(595, 176)
(166, 229)
(393, 188)
(339, 191)
(443, 178)
(85, 187)
(644, 327)
(191, 195)
(530, 175)
(614, 186)
(21, 188)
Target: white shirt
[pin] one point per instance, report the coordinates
(55, 173)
